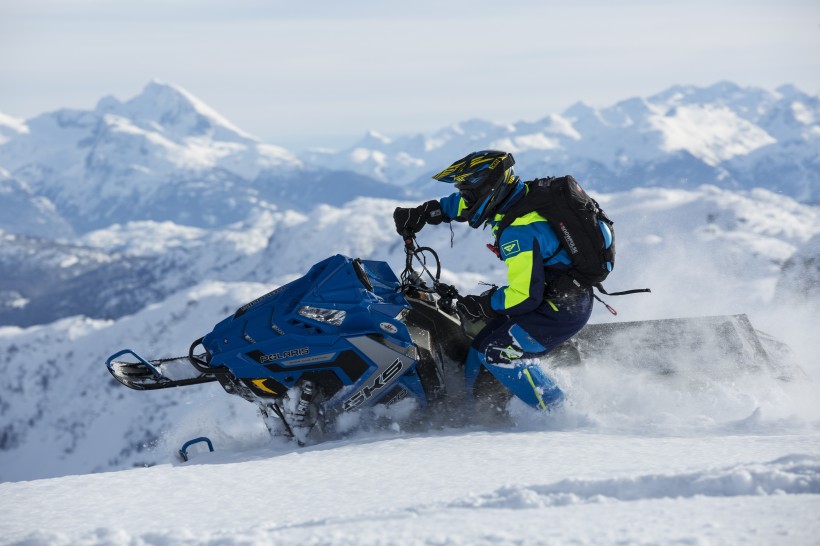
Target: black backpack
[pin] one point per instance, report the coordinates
(582, 227)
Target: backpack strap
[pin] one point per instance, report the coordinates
(600, 288)
(524, 206)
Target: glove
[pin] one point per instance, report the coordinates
(411, 220)
(477, 308)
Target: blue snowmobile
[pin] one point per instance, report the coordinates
(349, 335)
(351, 338)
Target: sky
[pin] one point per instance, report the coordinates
(323, 73)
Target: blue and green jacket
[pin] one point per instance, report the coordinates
(527, 247)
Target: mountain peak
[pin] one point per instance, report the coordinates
(789, 91)
(108, 104)
(724, 87)
(375, 137)
(177, 111)
(168, 92)
(579, 109)
(475, 125)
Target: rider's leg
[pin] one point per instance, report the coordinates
(508, 348)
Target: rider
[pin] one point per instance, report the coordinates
(537, 310)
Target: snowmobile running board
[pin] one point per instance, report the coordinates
(163, 373)
(725, 344)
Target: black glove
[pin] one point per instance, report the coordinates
(411, 220)
(477, 308)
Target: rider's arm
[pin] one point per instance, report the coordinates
(451, 207)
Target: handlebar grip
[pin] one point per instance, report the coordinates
(446, 290)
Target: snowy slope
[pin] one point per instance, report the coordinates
(161, 129)
(118, 270)
(476, 488)
(633, 458)
(62, 411)
(704, 252)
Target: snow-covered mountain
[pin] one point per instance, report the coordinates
(164, 156)
(117, 271)
(25, 212)
(733, 137)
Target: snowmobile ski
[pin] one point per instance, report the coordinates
(163, 373)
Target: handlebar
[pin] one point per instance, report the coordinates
(412, 280)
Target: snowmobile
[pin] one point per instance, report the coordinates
(351, 337)
(348, 335)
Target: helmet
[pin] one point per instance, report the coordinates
(485, 180)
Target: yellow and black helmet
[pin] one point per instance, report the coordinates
(484, 179)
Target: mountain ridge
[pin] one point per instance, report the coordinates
(161, 155)
(166, 155)
(724, 134)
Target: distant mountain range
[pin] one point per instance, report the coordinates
(733, 137)
(162, 155)
(165, 155)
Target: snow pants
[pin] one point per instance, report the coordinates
(504, 346)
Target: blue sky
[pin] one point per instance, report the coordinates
(323, 72)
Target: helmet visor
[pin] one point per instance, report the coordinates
(474, 194)
(470, 196)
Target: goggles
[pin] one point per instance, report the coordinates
(470, 197)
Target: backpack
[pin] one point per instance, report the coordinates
(582, 227)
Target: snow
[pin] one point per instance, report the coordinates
(482, 487)
(141, 238)
(11, 126)
(177, 111)
(18, 302)
(709, 454)
(736, 137)
(360, 155)
(714, 135)
(536, 141)
(802, 113)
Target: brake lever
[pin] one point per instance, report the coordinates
(409, 239)
(447, 293)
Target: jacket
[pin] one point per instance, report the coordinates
(527, 247)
